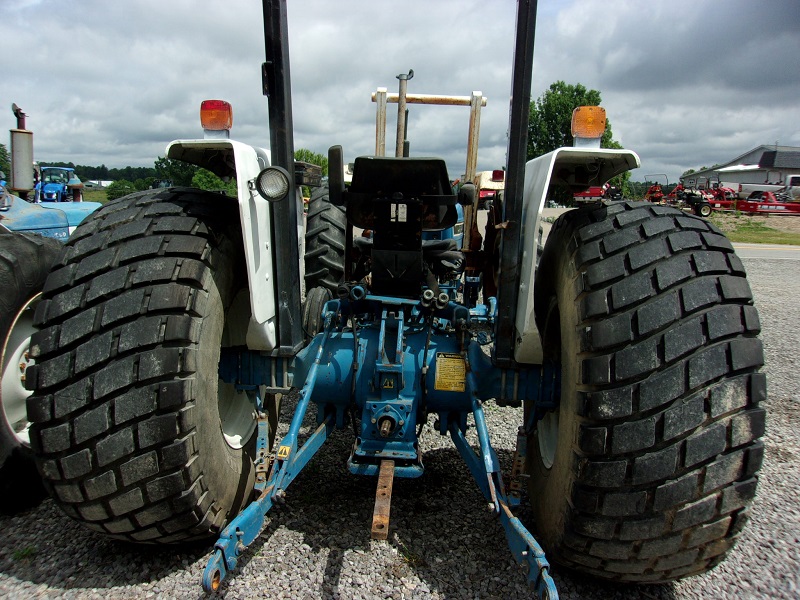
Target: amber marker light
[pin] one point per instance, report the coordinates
(588, 122)
(216, 115)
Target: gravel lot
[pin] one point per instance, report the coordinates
(444, 543)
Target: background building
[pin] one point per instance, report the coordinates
(762, 164)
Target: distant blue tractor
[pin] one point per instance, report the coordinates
(57, 184)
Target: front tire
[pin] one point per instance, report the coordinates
(652, 465)
(25, 261)
(315, 301)
(135, 434)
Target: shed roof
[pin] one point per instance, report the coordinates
(780, 159)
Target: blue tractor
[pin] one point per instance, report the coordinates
(177, 318)
(57, 184)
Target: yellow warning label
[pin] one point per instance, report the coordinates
(451, 372)
(283, 452)
(388, 383)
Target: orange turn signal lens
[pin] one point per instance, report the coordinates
(216, 115)
(588, 122)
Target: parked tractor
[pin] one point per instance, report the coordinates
(174, 319)
(600, 192)
(698, 200)
(709, 196)
(591, 194)
(722, 193)
(58, 184)
(655, 194)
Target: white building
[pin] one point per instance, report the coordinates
(763, 164)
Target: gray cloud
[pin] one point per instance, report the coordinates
(685, 83)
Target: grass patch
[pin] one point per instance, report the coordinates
(746, 230)
(411, 558)
(94, 195)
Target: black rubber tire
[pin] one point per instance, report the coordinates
(703, 209)
(126, 410)
(326, 227)
(651, 317)
(25, 261)
(312, 310)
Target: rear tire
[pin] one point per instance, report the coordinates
(136, 436)
(25, 261)
(646, 470)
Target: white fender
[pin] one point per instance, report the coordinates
(235, 159)
(566, 166)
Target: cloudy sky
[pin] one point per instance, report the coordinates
(686, 83)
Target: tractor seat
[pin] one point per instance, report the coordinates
(381, 182)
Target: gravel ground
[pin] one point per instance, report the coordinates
(444, 543)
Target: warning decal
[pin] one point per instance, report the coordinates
(398, 213)
(451, 372)
(283, 452)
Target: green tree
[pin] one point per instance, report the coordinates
(119, 188)
(550, 127)
(5, 163)
(314, 158)
(206, 180)
(550, 117)
(86, 172)
(180, 173)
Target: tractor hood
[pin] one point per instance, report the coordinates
(21, 215)
(74, 211)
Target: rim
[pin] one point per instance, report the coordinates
(547, 427)
(237, 414)
(547, 434)
(16, 359)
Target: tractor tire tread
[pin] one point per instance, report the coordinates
(326, 227)
(113, 409)
(669, 419)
